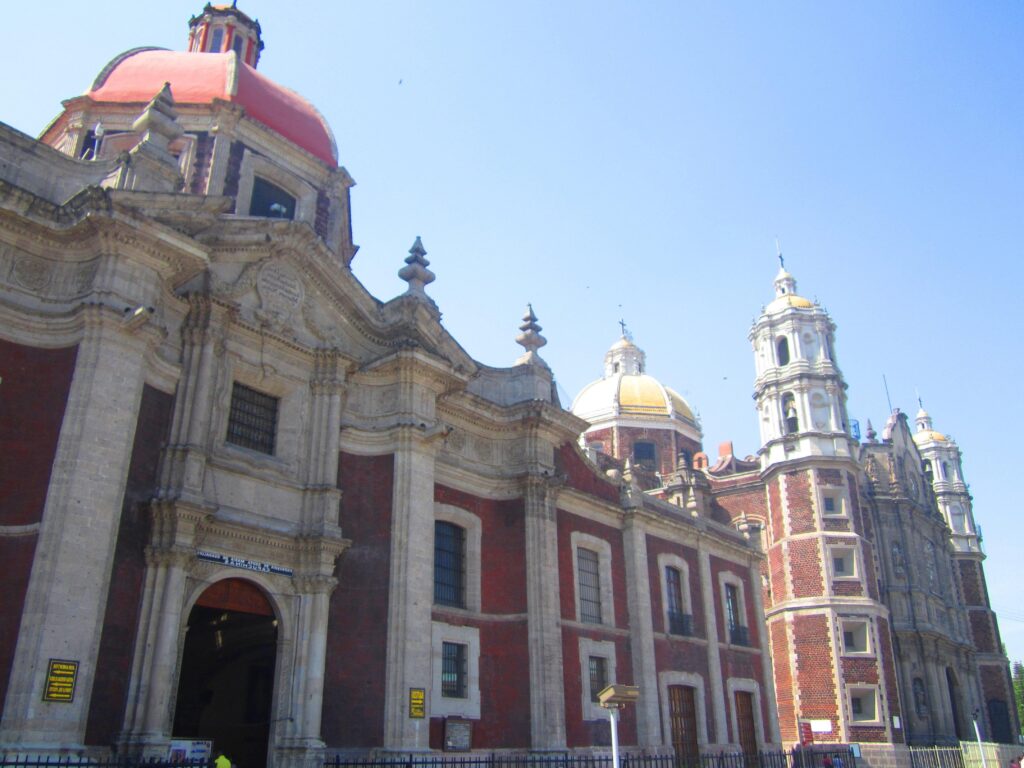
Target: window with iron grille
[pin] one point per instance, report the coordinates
(449, 564)
(598, 666)
(738, 634)
(453, 670)
(252, 420)
(587, 563)
(679, 622)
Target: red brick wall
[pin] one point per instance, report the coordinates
(585, 733)
(124, 599)
(982, 631)
(815, 678)
(859, 670)
(970, 578)
(581, 475)
(719, 566)
(503, 549)
(35, 393)
(567, 523)
(504, 647)
(784, 693)
(578, 731)
(798, 499)
(778, 529)
(805, 568)
(750, 502)
(656, 547)
(353, 714)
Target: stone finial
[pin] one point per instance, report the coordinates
(871, 434)
(415, 271)
(530, 338)
(158, 122)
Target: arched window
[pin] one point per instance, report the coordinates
(271, 201)
(929, 475)
(945, 471)
(236, 45)
(789, 414)
(782, 350)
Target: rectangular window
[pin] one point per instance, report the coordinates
(862, 705)
(734, 616)
(449, 564)
(843, 562)
(590, 585)
(252, 420)
(830, 505)
(855, 637)
(679, 622)
(598, 667)
(453, 671)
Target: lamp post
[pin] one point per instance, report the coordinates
(613, 698)
(977, 733)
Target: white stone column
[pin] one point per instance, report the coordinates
(641, 623)
(161, 676)
(410, 589)
(708, 589)
(67, 591)
(547, 684)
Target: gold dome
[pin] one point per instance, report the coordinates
(630, 395)
(789, 300)
(928, 436)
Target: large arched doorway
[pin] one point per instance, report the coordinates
(227, 672)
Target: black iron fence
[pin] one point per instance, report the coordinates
(817, 757)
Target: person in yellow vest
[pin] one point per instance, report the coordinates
(222, 760)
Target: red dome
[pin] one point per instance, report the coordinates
(136, 76)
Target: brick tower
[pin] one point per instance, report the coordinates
(829, 632)
(943, 468)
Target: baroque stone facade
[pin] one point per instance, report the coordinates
(246, 501)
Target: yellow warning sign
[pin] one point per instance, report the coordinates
(60, 680)
(417, 703)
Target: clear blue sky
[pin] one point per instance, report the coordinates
(637, 160)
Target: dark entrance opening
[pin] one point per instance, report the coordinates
(227, 672)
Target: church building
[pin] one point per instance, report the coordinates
(245, 501)
(875, 603)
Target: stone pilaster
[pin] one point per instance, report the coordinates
(645, 673)
(767, 677)
(322, 496)
(78, 533)
(547, 694)
(708, 588)
(151, 695)
(410, 596)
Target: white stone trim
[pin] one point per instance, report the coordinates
(469, 523)
(869, 639)
(606, 649)
(669, 560)
(854, 552)
(604, 563)
(867, 689)
(672, 677)
(441, 706)
(746, 685)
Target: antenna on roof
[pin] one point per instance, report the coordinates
(778, 250)
(887, 398)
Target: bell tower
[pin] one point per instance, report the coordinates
(829, 631)
(799, 390)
